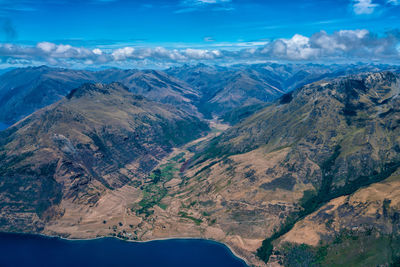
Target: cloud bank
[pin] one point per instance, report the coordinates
(341, 45)
(345, 45)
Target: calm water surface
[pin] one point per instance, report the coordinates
(3, 126)
(34, 250)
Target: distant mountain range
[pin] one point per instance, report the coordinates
(22, 91)
(198, 89)
(226, 88)
(306, 173)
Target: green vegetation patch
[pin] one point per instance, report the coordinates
(166, 171)
(302, 255)
(350, 248)
(154, 192)
(265, 251)
(178, 157)
(186, 216)
(163, 206)
(152, 195)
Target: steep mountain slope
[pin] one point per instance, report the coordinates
(224, 88)
(97, 139)
(320, 142)
(242, 88)
(154, 85)
(361, 229)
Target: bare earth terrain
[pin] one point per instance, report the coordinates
(175, 216)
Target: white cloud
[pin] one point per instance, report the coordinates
(201, 53)
(345, 44)
(97, 51)
(349, 45)
(46, 46)
(123, 53)
(364, 6)
(63, 48)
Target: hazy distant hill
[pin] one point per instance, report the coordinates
(226, 88)
(155, 85)
(24, 90)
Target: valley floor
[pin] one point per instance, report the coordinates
(163, 212)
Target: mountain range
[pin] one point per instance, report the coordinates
(26, 90)
(199, 89)
(287, 164)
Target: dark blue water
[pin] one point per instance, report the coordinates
(3, 126)
(34, 250)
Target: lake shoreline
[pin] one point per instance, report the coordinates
(134, 241)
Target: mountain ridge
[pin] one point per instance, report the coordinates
(199, 89)
(98, 138)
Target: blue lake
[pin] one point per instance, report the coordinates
(3, 126)
(35, 250)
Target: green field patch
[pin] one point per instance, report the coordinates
(152, 195)
(186, 216)
(178, 157)
(155, 191)
(163, 206)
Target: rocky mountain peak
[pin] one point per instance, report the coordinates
(91, 88)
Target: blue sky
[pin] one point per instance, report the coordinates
(133, 33)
